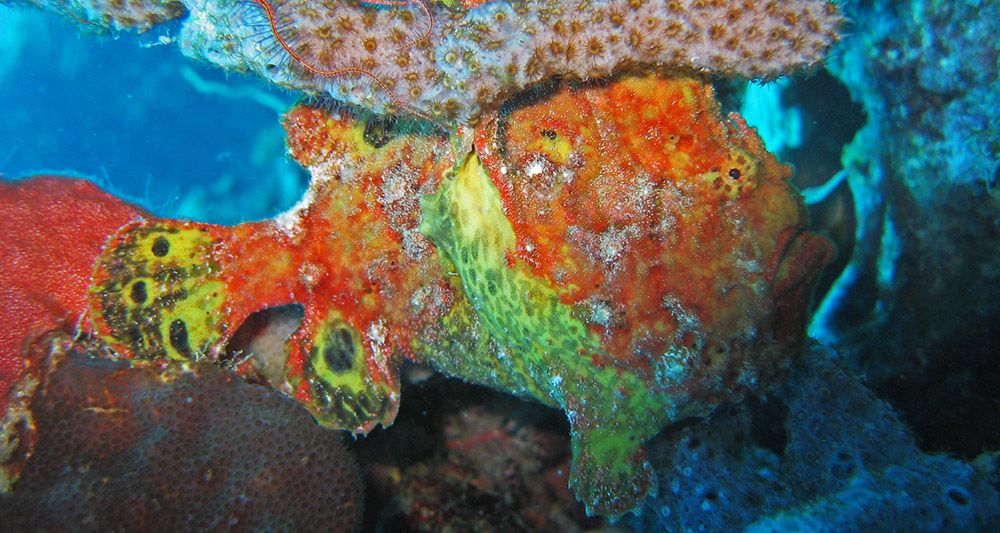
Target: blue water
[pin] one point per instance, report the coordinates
(141, 121)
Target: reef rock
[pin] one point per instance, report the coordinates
(917, 305)
(818, 452)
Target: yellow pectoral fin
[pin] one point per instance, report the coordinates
(341, 388)
(155, 293)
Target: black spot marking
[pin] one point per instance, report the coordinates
(115, 313)
(339, 352)
(344, 337)
(170, 274)
(161, 246)
(134, 335)
(379, 131)
(139, 292)
(179, 337)
(734, 173)
(366, 403)
(549, 134)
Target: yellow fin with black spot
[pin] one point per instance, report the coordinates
(156, 294)
(342, 380)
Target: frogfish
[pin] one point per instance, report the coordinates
(618, 250)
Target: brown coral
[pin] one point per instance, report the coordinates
(472, 58)
(140, 15)
(122, 448)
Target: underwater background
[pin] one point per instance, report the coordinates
(889, 420)
(141, 120)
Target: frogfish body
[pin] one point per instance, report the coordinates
(619, 251)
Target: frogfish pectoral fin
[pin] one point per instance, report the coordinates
(609, 472)
(334, 369)
(156, 291)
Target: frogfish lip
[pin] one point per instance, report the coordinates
(802, 259)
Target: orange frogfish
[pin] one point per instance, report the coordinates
(617, 250)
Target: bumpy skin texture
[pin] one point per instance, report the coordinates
(126, 446)
(640, 255)
(52, 229)
(451, 66)
(352, 257)
(619, 251)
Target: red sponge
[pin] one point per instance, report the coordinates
(51, 230)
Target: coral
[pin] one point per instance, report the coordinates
(140, 15)
(472, 58)
(629, 268)
(819, 452)
(115, 446)
(53, 228)
(921, 293)
(448, 62)
(381, 59)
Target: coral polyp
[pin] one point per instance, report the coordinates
(619, 251)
